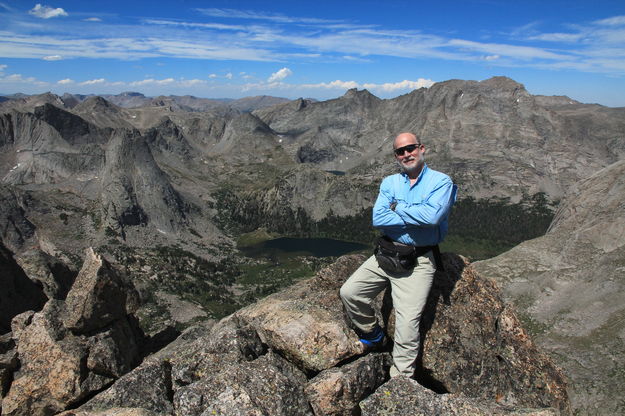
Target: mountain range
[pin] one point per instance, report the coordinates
(166, 186)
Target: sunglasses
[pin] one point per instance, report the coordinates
(410, 148)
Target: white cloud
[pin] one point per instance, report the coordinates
(334, 84)
(212, 76)
(254, 15)
(517, 52)
(216, 26)
(558, 37)
(151, 81)
(47, 12)
(17, 81)
(611, 21)
(92, 19)
(93, 82)
(404, 85)
(229, 75)
(191, 82)
(339, 43)
(280, 75)
(65, 81)
(3, 67)
(18, 78)
(52, 58)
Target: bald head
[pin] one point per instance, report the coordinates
(404, 139)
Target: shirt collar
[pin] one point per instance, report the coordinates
(407, 179)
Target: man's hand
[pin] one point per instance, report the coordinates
(393, 205)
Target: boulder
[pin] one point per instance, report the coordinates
(338, 390)
(117, 411)
(258, 387)
(402, 396)
(229, 341)
(199, 352)
(147, 387)
(58, 367)
(52, 373)
(8, 362)
(98, 297)
(305, 321)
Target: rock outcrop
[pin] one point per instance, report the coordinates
(135, 191)
(19, 293)
(15, 228)
(74, 348)
(390, 399)
(51, 274)
(293, 353)
(475, 345)
(569, 287)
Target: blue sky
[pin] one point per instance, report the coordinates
(318, 49)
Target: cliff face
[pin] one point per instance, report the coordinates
(569, 286)
(290, 354)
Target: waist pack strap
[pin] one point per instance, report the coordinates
(436, 252)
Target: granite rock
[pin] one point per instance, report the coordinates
(402, 396)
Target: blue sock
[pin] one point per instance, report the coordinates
(374, 337)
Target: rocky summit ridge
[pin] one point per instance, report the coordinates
(569, 286)
(290, 354)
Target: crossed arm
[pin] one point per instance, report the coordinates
(392, 212)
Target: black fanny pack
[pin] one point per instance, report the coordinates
(394, 257)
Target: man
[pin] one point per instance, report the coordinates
(411, 210)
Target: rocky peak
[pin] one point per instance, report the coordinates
(134, 190)
(249, 135)
(363, 96)
(71, 127)
(502, 83)
(293, 353)
(98, 297)
(72, 100)
(96, 103)
(28, 103)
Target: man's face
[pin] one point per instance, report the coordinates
(408, 152)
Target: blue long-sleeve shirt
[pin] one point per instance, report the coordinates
(420, 216)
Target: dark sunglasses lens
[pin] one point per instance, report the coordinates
(410, 148)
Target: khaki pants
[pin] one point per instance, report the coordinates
(409, 293)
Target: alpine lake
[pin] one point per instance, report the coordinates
(274, 262)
